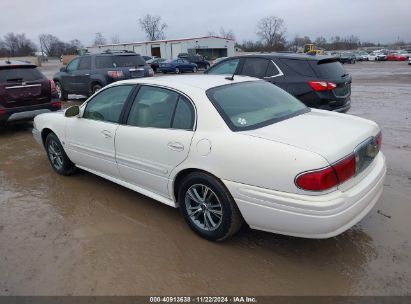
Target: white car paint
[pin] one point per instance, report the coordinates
(257, 166)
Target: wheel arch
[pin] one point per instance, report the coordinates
(44, 133)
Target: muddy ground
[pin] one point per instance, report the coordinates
(82, 235)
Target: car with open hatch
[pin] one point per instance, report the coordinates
(225, 150)
(25, 92)
(318, 81)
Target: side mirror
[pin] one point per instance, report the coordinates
(72, 111)
(63, 69)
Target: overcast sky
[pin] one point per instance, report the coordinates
(370, 20)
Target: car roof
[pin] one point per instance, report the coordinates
(286, 56)
(185, 82)
(11, 63)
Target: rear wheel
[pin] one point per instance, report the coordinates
(63, 95)
(208, 207)
(95, 88)
(57, 157)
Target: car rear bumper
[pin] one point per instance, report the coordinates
(27, 112)
(309, 216)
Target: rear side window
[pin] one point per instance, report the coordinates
(183, 115)
(85, 63)
(301, 67)
(255, 67)
(104, 62)
(226, 67)
(329, 70)
(20, 74)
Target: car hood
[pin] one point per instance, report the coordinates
(331, 135)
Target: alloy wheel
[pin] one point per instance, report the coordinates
(203, 207)
(55, 154)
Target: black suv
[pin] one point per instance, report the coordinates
(85, 75)
(318, 81)
(199, 60)
(25, 92)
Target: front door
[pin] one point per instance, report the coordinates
(68, 79)
(155, 139)
(90, 139)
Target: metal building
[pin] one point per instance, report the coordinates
(209, 46)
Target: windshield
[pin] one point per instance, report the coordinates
(254, 104)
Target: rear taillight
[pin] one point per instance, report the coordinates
(2, 111)
(56, 104)
(322, 85)
(53, 89)
(378, 141)
(115, 74)
(328, 177)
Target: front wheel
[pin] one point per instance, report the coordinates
(208, 207)
(177, 71)
(194, 70)
(57, 156)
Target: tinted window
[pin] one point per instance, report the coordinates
(271, 70)
(301, 67)
(184, 115)
(124, 61)
(226, 67)
(255, 67)
(104, 62)
(253, 104)
(329, 70)
(20, 74)
(85, 63)
(72, 66)
(107, 104)
(153, 107)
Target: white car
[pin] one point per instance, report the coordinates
(377, 57)
(225, 151)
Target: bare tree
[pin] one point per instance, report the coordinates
(272, 32)
(298, 42)
(49, 44)
(99, 39)
(115, 39)
(227, 34)
(18, 45)
(153, 27)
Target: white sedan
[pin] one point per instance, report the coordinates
(224, 151)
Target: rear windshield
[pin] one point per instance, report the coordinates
(329, 70)
(254, 104)
(106, 62)
(20, 74)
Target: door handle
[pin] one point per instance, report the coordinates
(106, 134)
(175, 146)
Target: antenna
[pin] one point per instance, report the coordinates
(232, 76)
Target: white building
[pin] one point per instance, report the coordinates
(210, 46)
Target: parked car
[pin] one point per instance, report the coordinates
(361, 56)
(177, 66)
(224, 150)
(397, 57)
(347, 57)
(87, 74)
(409, 60)
(377, 57)
(155, 63)
(24, 92)
(318, 81)
(199, 60)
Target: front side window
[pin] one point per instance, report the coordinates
(108, 104)
(72, 66)
(156, 107)
(225, 67)
(254, 104)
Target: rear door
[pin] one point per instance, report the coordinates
(155, 139)
(23, 86)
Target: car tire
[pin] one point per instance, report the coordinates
(177, 71)
(217, 216)
(194, 70)
(95, 88)
(63, 95)
(58, 158)
(206, 67)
